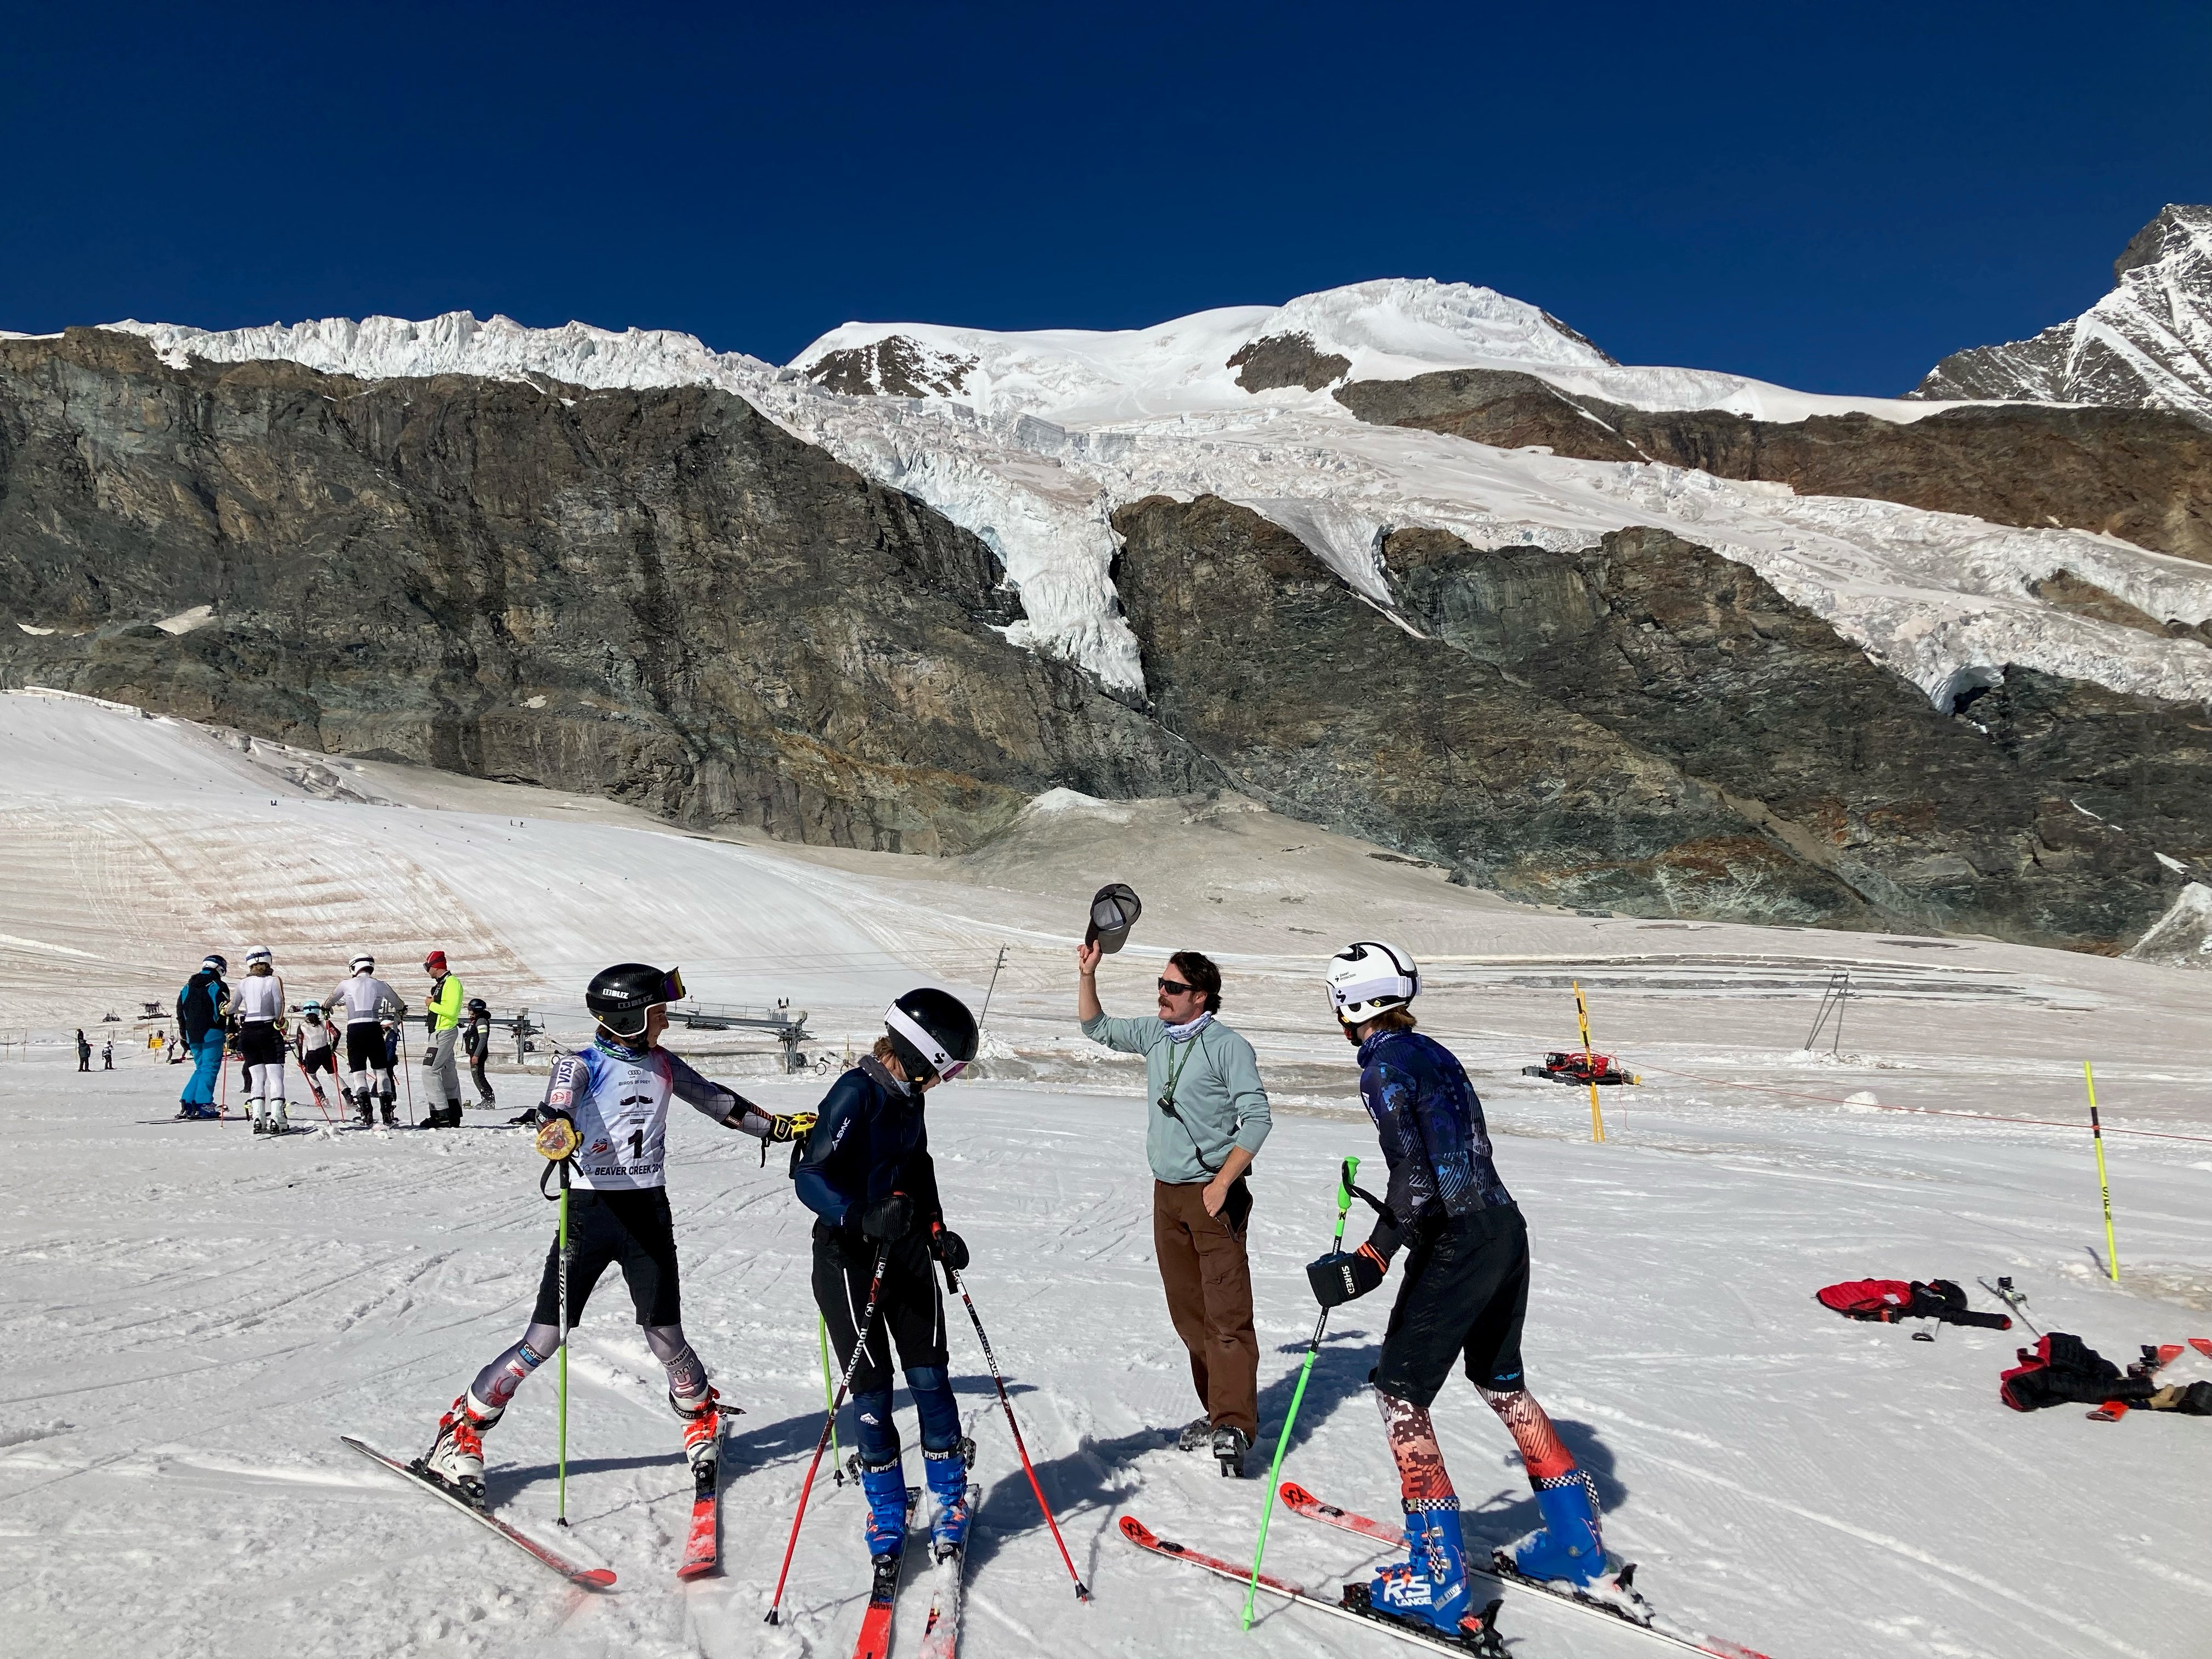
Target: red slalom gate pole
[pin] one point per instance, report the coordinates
(867, 1329)
(952, 1279)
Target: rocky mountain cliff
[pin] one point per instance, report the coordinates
(2147, 344)
(654, 595)
(715, 589)
(2143, 475)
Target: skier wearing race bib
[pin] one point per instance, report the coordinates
(1465, 1292)
(867, 1173)
(613, 1098)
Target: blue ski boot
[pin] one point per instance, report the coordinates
(948, 1483)
(1567, 1546)
(1430, 1587)
(885, 1486)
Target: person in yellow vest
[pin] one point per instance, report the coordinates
(441, 1078)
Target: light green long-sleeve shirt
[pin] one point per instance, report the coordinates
(445, 1004)
(1218, 1100)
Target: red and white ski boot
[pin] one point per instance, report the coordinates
(702, 1429)
(456, 1458)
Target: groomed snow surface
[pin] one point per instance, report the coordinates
(1046, 433)
(192, 1316)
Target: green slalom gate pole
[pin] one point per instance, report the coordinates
(829, 1399)
(1344, 1174)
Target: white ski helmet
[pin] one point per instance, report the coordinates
(363, 964)
(259, 953)
(1367, 977)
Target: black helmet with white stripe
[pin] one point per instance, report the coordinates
(622, 997)
(932, 1034)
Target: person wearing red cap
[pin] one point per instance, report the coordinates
(441, 1078)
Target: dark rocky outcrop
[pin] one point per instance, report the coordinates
(2143, 475)
(1643, 726)
(894, 367)
(657, 596)
(1276, 361)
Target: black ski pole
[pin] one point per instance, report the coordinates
(953, 1280)
(867, 1329)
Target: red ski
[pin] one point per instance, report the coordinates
(1638, 1614)
(597, 1578)
(702, 1545)
(1484, 1646)
(875, 1641)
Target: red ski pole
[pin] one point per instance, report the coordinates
(867, 1329)
(953, 1279)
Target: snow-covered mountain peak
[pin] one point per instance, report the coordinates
(1387, 330)
(2147, 344)
(455, 343)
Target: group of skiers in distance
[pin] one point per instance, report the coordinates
(354, 1037)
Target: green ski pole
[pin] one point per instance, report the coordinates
(1345, 1175)
(837, 1456)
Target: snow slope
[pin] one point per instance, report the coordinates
(1046, 433)
(192, 1316)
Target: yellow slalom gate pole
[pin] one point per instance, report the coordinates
(1590, 1065)
(2104, 1185)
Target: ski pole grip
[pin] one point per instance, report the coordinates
(1344, 1176)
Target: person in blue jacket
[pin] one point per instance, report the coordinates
(203, 1006)
(866, 1172)
(1464, 1295)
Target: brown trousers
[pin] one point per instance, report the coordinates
(1209, 1285)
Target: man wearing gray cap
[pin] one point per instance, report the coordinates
(1208, 1116)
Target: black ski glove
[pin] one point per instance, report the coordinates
(1341, 1276)
(949, 1247)
(889, 1219)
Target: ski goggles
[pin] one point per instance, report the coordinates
(671, 985)
(927, 1045)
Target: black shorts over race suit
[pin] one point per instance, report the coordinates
(908, 1305)
(1465, 1294)
(632, 1226)
(365, 1047)
(260, 1044)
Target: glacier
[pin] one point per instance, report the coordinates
(1031, 440)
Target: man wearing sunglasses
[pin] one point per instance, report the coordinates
(1208, 1119)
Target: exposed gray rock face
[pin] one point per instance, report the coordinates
(1286, 359)
(2148, 344)
(655, 595)
(2140, 474)
(1643, 726)
(895, 367)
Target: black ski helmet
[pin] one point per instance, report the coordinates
(478, 1006)
(932, 1034)
(619, 997)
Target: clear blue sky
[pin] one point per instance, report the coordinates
(1832, 196)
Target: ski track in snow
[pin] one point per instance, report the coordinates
(193, 1316)
(1054, 430)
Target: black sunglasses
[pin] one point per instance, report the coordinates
(1173, 987)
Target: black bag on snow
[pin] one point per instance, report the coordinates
(2061, 1370)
